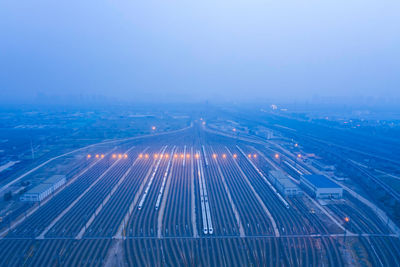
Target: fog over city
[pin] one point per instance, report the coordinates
(240, 51)
(199, 133)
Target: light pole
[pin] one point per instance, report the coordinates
(347, 221)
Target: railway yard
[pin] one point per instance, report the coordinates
(192, 197)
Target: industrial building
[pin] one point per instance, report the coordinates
(321, 187)
(322, 166)
(283, 184)
(41, 191)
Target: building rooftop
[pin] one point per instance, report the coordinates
(320, 181)
(39, 189)
(287, 183)
(54, 179)
(278, 175)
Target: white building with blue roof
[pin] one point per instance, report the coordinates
(321, 186)
(41, 191)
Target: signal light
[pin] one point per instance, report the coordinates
(89, 156)
(175, 156)
(214, 156)
(299, 155)
(181, 156)
(166, 155)
(120, 156)
(249, 155)
(146, 156)
(125, 156)
(161, 155)
(188, 155)
(197, 156)
(235, 156)
(97, 156)
(346, 219)
(277, 156)
(102, 156)
(156, 155)
(114, 156)
(254, 156)
(140, 156)
(223, 155)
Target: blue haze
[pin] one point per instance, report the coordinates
(199, 50)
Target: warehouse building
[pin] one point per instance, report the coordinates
(283, 184)
(321, 187)
(41, 191)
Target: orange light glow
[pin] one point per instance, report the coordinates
(166, 156)
(175, 156)
(249, 155)
(97, 156)
(197, 156)
(346, 219)
(114, 156)
(255, 156)
(102, 156)
(153, 128)
(156, 155)
(235, 156)
(299, 155)
(146, 156)
(161, 155)
(223, 155)
(188, 155)
(214, 156)
(181, 156)
(125, 156)
(140, 155)
(120, 156)
(89, 156)
(277, 156)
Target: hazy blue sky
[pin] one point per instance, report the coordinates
(225, 50)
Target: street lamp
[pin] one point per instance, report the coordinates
(347, 221)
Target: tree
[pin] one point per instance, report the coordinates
(396, 212)
(8, 196)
